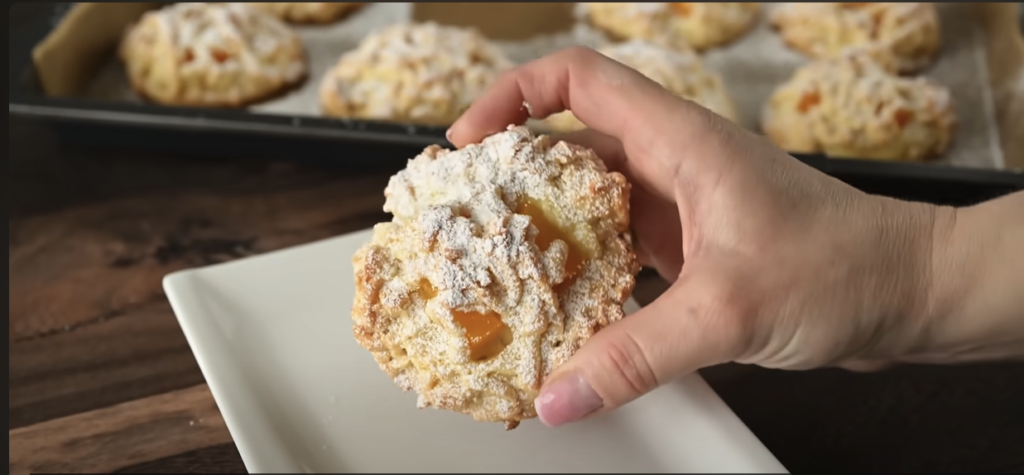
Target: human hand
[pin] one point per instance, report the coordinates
(771, 262)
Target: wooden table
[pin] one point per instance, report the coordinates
(101, 378)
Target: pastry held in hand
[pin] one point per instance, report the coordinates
(680, 72)
(853, 107)
(676, 25)
(501, 260)
(309, 12)
(422, 73)
(212, 54)
(907, 31)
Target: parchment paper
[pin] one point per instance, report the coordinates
(751, 68)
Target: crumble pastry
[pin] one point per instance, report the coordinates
(908, 31)
(422, 73)
(501, 260)
(211, 54)
(851, 106)
(681, 72)
(309, 12)
(676, 25)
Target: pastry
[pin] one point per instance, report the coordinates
(699, 25)
(421, 73)
(850, 106)
(309, 12)
(908, 31)
(501, 260)
(211, 54)
(681, 72)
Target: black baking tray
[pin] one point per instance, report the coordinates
(358, 143)
(30, 23)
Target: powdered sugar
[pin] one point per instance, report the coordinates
(224, 36)
(458, 243)
(909, 31)
(418, 71)
(211, 54)
(679, 71)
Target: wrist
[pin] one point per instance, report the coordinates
(907, 238)
(971, 310)
(946, 271)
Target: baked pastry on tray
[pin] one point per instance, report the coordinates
(501, 260)
(852, 106)
(680, 71)
(310, 12)
(908, 31)
(421, 73)
(699, 25)
(211, 54)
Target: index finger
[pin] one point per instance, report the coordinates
(605, 95)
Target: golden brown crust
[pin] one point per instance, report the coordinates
(471, 234)
(211, 55)
(681, 72)
(310, 13)
(676, 25)
(852, 107)
(909, 32)
(421, 73)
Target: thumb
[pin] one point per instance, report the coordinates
(685, 329)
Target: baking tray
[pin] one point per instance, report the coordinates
(347, 142)
(26, 97)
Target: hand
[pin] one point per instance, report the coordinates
(771, 262)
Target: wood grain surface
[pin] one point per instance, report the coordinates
(101, 378)
(126, 434)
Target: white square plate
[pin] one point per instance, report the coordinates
(273, 338)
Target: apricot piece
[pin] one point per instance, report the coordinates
(808, 100)
(486, 333)
(547, 233)
(903, 117)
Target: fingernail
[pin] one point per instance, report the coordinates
(448, 134)
(565, 400)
